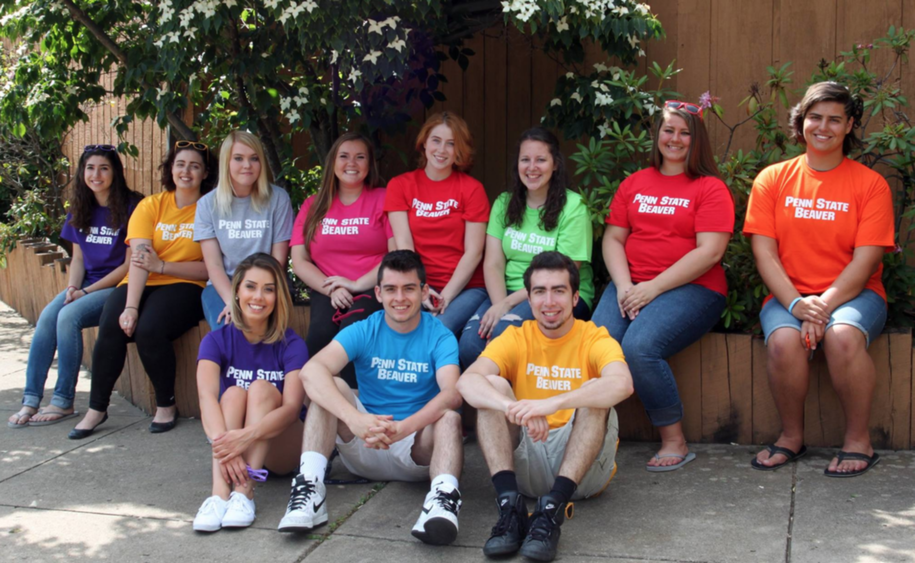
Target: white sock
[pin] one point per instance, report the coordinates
(444, 479)
(313, 463)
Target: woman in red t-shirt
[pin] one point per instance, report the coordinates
(338, 240)
(820, 224)
(441, 212)
(668, 228)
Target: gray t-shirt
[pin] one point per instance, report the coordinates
(244, 231)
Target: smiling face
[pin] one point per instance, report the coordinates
(189, 170)
(402, 296)
(535, 165)
(98, 175)
(352, 164)
(673, 140)
(244, 167)
(825, 128)
(257, 296)
(552, 301)
(439, 151)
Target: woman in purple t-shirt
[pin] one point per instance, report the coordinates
(338, 240)
(250, 396)
(96, 225)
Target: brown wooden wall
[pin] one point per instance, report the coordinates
(722, 378)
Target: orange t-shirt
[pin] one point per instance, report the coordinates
(171, 231)
(539, 367)
(819, 218)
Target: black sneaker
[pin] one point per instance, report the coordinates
(509, 531)
(543, 538)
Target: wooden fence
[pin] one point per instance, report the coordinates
(722, 379)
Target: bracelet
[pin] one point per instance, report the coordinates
(72, 287)
(793, 303)
(129, 307)
(85, 291)
(162, 269)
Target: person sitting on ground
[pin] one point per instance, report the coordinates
(250, 395)
(339, 238)
(244, 215)
(440, 211)
(159, 300)
(96, 224)
(667, 231)
(538, 213)
(820, 224)
(402, 426)
(546, 424)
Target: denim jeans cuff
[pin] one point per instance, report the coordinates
(666, 416)
(61, 402)
(32, 401)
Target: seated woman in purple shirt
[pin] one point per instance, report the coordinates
(96, 224)
(250, 396)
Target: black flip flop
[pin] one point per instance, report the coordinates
(854, 456)
(773, 450)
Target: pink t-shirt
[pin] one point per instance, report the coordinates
(352, 239)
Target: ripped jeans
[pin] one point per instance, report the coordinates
(471, 344)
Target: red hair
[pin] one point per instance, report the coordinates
(463, 141)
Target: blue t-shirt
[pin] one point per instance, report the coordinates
(241, 363)
(104, 247)
(396, 372)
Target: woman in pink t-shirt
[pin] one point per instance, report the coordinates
(441, 212)
(338, 240)
(668, 228)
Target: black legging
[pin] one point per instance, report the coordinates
(166, 312)
(322, 328)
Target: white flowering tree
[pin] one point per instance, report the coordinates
(277, 67)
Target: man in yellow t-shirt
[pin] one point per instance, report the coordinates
(545, 393)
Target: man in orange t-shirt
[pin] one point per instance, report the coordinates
(821, 224)
(545, 393)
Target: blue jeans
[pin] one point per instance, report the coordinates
(212, 306)
(60, 328)
(667, 325)
(866, 312)
(461, 308)
(471, 345)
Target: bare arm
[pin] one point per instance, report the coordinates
(474, 237)
(212, 258)
(306, 270)
(614, 251)
(765, 251)
(280, 251)
(400, 224)
(365, 282)
(208, 394)
(865, 261)
(478, 391)
(447, 399)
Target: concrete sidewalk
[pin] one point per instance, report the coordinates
(127, 495)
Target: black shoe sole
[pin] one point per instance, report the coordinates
(536, 554)
(438, 531)
(160, 427)
(79, 434)
(502, 551)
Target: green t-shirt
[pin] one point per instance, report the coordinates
(572, 236)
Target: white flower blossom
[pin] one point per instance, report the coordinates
(285, 104)
(310, 5)
(576, 96)
(333, 56)
(272, 4)
(642, 9)
(563, 24)
(555, 102)
(398, 44)
(293, 116)
(291, 12)
(523, 8)
(603, 99)
(604, 129)
(391, 22)
(570, 75)
(372, 57)
(600, 67)
(641, 52)
(633, 40)
(376, 27)
(189, 32)
(354, 75)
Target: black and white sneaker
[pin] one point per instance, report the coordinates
(306, 508)
(438, 521)
(542, 539)
(510, 530)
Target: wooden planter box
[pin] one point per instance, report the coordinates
(722, 378)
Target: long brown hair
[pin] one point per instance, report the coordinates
(556, 192)
(120, 197)
(330, 184)
(699, 158)
(279, 318)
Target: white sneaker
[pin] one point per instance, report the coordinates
(438, 521)
(239, 512)
(209, 515)
(306, 508)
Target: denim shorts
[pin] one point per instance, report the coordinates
(866, 312)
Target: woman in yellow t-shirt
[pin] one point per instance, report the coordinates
(159, 300)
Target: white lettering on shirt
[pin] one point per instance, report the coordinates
(404, 371)
(820, 209)
(170, 231)
(664, 206)
(438, 209)
(553, 378)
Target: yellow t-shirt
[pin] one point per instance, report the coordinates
(539, 367)
(171, 230)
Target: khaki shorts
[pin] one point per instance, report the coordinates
(537, 463)
(394, 464)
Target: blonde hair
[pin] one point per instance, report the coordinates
(260, 197)
(279, 318)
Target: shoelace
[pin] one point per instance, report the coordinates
(300, 494)
(506, 517)
(209, 505)
(259, 475)
(338, 316)
(542, 525)
(448, 501)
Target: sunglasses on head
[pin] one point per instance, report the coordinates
(194, 145)
(109, 148)
(685, 106)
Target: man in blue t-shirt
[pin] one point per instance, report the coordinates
(402, 426)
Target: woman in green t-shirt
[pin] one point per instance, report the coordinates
(537, 213)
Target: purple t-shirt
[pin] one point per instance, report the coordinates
(104, 247)
(241, 363)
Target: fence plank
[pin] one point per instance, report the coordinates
(900, 388)
(496, 165)
(740, 376)
(687, 368)
(766, 422)
(716, 393)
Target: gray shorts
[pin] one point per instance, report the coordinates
(537, 463)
